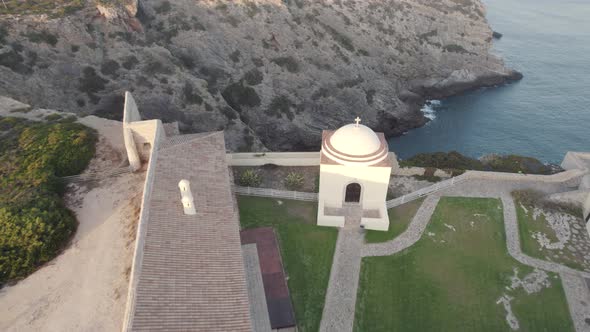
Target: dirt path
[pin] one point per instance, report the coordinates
(84, 288)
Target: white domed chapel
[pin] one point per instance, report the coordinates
(354, 172)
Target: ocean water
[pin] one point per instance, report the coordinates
(544, 115)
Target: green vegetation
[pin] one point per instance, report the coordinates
(306, 249)
(190, 95)
(110, 68)
(454, 48)
(249, 178)
(442, 160)
(450, 279)
(129, 62)
(235, 56)
(253, 77)
(53, 117)
(91, 82)
(525, 202)
(163, 8)
(53, 8)
(399, 219)
(428, 175)
(454, 161)
(34, 223)
(237, 95)
(280, 105)
(42, 37)
(287, 62)
(294, 181)
(339, 37)
(515, 164)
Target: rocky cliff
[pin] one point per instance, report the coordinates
(272, 73)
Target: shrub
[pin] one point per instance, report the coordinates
(280, 105)
(34, 222)
(3, 34)
(53, 8)
(237, 95)
(156, 67)
(42, 37)
(287, 62)
(515, 164)
(229, 113)
(163, 8)
(91, 82)
(457, 162)
(316, 184)
(454, 48)
(110, 68)
(451, 159)
(533, 198)
(53, 117)
(253, 77)
(250, 178)
(235, 56)
(14, 61)
(294, 181)
(190, 95)
(129, 62)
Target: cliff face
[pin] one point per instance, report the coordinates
(271, 73)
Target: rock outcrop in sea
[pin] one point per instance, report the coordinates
(272, 73)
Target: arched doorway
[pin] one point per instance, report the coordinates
(353, 193)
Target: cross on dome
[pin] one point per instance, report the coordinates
(357, 120)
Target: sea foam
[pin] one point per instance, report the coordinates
(429, 109)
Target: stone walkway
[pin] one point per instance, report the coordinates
(409, 237)
(340, 303)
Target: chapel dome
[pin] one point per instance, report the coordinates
(355, 145)
(355, 140)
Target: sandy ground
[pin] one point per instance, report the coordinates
(85, 288)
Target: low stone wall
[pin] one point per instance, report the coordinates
(276, 158)
(413, 171)
(576, 160)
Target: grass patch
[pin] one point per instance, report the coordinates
(34, 222)
(454, 285)
(306, 249)
(527, 226)
(399, 219)
(53, 8)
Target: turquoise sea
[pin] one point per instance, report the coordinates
(544, 115)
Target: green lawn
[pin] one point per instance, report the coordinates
(307, 251)
(450, 280)
(399, 219)
(527, 225)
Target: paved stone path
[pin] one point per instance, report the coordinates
(578, 300)
(340, 303)
(409, 237)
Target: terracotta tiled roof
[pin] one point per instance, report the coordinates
(191, 275)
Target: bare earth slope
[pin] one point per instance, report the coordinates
(272, 73)
(84, 288)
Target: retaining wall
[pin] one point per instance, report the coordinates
(141, 230)
(277, 158)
